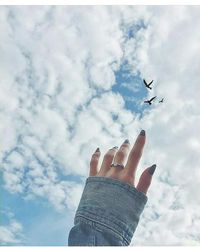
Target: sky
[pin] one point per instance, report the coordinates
(71, 81)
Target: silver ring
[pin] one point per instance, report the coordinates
(117, 165)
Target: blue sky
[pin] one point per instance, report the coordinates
(74, 88)
(39, 212)
(50, 226)
(40, 216)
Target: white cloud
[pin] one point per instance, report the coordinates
(62, 62)
(12, 233)
(56, 105)
(173, 138)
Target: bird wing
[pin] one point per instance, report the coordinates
(150, 83)
(145, 83)
(152, 98)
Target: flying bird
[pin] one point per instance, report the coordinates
(161, 100)
(147, 84)
(149, 101)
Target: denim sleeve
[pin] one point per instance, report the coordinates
(108, 213)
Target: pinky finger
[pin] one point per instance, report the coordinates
(145, 179)
(94, 163)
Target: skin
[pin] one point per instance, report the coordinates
(127, 156)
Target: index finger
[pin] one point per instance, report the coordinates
(135, 154)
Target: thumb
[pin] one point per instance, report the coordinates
(145, 179)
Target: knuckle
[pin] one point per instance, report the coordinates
(139, 144)
(121, 153)
(108, 156)
(137, 153)
(95, 155)
(111, 174)
(94, 159)
(128, 178)
(125, 146)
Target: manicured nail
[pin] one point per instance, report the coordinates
(115, 147)
(97, 150)
(126, 141)
(152, 169)
(142, 132)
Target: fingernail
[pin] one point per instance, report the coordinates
(97, 150)
(142, 132)
(126, 141)
(115, 147)
(152, 169)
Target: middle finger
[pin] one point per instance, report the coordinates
(135, 154)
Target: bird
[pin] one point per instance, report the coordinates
(149, 101)
(147, 84)
(161, 100)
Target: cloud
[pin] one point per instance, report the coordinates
(57, 105)
(12, 232)
(171, 59)
(62, 71)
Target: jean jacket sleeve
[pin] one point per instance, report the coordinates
(108, 213)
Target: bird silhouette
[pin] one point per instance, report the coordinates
(149, 101)
(161, 100)
(147, 84)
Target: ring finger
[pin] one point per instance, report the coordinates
(107, 161)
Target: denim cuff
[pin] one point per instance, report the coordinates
(114, 204)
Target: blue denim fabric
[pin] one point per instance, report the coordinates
(108, 213)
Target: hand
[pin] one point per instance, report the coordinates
(119, 156)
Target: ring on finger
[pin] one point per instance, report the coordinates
(117, 165)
